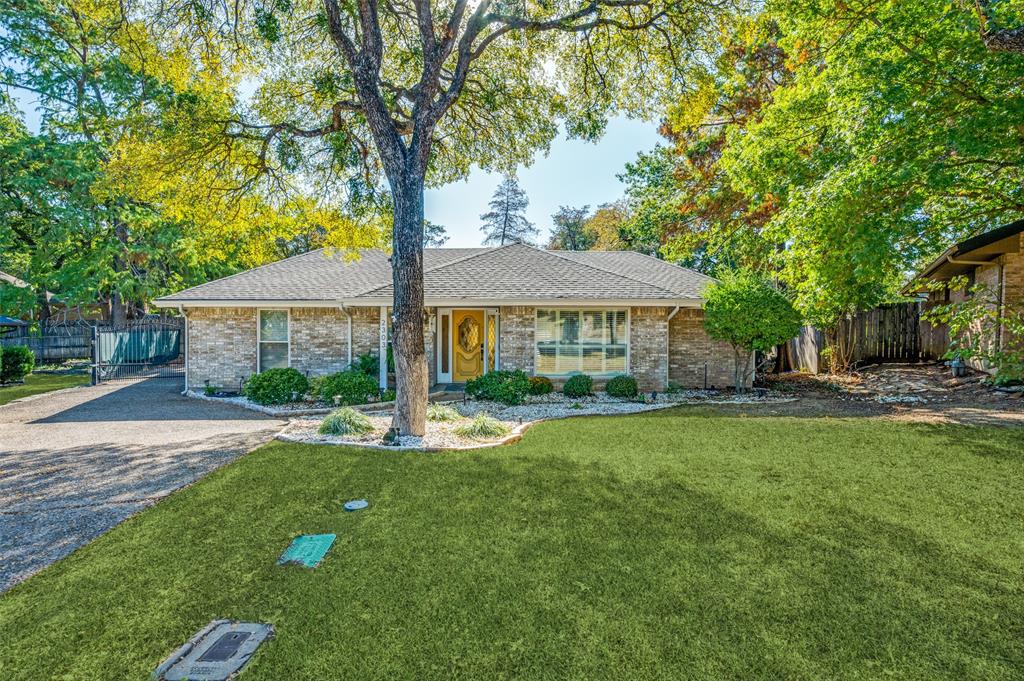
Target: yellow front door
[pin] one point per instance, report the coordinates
(467, 344)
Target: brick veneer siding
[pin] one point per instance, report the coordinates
(690, 347)
(319, 338)
(648, 346)
(516, 344)
(221, 346)
(365, 330)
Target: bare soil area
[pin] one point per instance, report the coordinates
(925, 393)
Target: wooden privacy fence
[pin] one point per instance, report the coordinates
(888, 333)
(53, 346)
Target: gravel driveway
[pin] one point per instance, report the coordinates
(75, 463)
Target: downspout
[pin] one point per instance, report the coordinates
(348, 316)
(668, 345)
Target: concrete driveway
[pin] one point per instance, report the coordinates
(75, 463)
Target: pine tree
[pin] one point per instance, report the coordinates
(506, 222)
(434, 235)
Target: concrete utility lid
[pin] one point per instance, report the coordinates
(216, 653)
(307, 550)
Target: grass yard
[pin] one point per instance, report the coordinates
(41, 383)
(672, 545)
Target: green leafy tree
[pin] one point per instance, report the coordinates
(415, 91)
(505, 222)
(746, 311)
(570, 232)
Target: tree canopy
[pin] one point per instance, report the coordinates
(838, 146)
(570, 232)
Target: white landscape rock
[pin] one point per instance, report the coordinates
(441, 434)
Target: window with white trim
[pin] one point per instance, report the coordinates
(580, 341)
(273, 339)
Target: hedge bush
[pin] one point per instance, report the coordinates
(540, 385)
(579, 385)
(276, 386)
(16, 362)
(352, 386)
(622, 386)
(346, 421)
(507, 387)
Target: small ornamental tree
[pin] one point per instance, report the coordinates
(747, 312)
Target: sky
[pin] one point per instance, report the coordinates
(574, 173)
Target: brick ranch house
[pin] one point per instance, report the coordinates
(550, 313)
(994, 259)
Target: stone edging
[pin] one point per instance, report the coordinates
(517, 433)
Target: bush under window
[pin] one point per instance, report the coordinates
(540, 385)
(508, 387)
(350, 387)
(16, 362)
(579, 385)
(622, 386)
(276, 386)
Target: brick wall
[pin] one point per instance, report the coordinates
(516, 346)
(365, 330)
(648, 345)
(221, 346)
(690, 347)
(319, 340)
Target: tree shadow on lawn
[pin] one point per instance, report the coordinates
(513, 564)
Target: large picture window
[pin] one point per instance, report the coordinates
(580, 341)
(273, 339)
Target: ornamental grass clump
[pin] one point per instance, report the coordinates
(346, 421)
(482, 426)
(441, 412)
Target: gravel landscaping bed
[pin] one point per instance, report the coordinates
(442, 435)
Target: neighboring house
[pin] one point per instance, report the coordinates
(994, 260)
(512, 307)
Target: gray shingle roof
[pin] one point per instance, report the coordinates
(506, 273)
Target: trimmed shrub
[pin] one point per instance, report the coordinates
(351, 385)
(622, 386)
(346, 421)
(540, 385)
(366, 363)
(579, 385)
(388, 395)
(17, 363)
(482, 426)
(276, 386)
(441, 412)
(507, 387)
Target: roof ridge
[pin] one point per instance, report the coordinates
(480, 250)
(672, 294)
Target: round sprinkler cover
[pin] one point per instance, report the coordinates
(356, 505)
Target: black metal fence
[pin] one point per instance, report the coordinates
(152, 347)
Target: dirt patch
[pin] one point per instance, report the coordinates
(925, 393)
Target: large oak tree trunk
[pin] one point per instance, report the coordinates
(412, 377)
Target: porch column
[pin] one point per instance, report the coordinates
(383, 348)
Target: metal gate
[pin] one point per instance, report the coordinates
(151, 347)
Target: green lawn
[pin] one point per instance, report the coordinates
(41, 383)
(660, 546)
